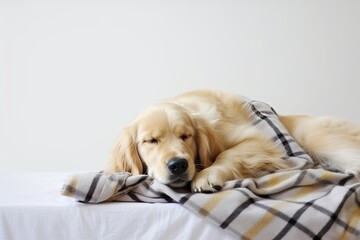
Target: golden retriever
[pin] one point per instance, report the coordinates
(171, 139)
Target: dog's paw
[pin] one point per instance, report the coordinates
(208, 180)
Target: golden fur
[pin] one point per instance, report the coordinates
(214, 128)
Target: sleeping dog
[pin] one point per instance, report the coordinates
(170, 140)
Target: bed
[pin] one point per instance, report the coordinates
(31, 207)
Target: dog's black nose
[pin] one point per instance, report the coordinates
(177, 166)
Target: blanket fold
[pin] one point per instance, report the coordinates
(312, 203)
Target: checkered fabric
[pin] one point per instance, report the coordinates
(299, 203)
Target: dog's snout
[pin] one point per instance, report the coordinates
(177, 166)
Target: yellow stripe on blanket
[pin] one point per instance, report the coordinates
(69, 189)
(275, 180)
(264, 221)
(353, 222)
(306, 190)
(213, 202)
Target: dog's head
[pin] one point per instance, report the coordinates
(164, 142)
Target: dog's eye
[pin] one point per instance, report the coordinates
(185, 136)
(151, 140)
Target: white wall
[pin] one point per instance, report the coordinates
(72, 74)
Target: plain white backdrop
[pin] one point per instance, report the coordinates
(73, 73)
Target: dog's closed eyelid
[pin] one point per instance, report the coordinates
(152, 140)
(185, 136)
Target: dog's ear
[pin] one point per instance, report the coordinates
(125, 157)
(207, 142)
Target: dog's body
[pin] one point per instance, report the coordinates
(215, 129)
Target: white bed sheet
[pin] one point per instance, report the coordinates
(31, 207)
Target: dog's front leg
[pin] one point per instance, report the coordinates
(249, 158)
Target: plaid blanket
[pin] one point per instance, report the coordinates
(298, 203)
